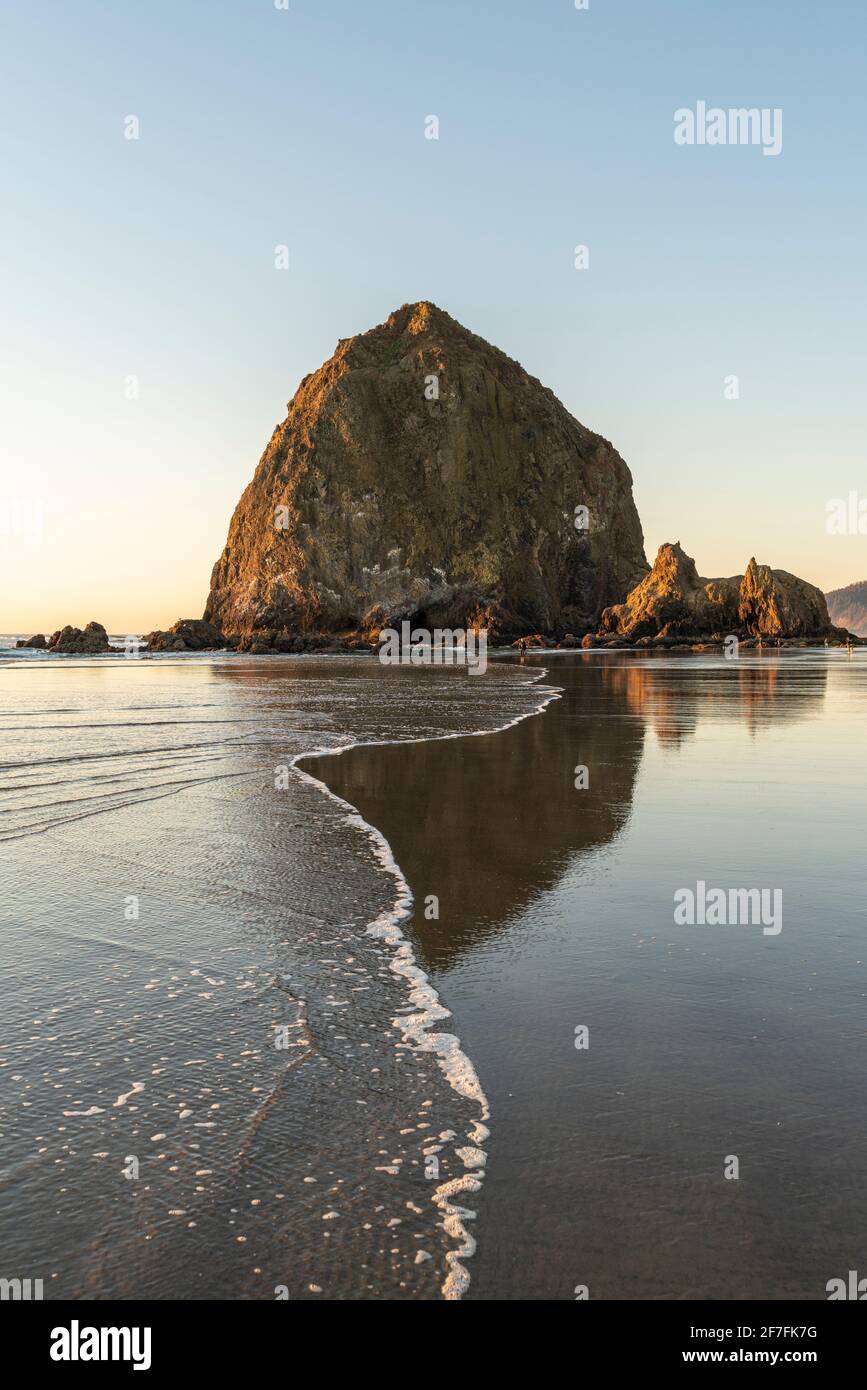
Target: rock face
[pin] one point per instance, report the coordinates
(186, 635)
(74, 641)
(848, 607)
(422, 474)
(774, 603)
(673, 601)
(38, 641)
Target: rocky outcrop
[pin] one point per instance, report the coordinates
(38, 641)
(848, 607)
(674, 602)
(75, 641)
(423, 474)
(186, 635)
(270, 643)
(774, 603)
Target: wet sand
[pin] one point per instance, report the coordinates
(221, 1074)
(606, 1166)
(335, 1166)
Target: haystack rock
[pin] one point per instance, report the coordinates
(674, 601)
(423, 474)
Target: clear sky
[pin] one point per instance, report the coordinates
(154, 259)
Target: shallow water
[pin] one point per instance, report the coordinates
(340, 1162)
(177, 901)
(606, 1165)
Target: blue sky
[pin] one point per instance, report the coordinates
(155, 259)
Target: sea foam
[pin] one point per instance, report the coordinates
(418, 1028)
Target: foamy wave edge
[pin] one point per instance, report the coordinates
(453, 1061)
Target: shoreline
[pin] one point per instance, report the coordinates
(456, 1066)
(9, 654)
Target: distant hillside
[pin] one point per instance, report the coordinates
(848, 607)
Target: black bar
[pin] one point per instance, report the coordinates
(248, 1337)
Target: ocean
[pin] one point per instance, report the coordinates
(330, 980)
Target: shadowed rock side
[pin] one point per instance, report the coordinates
(423, 474)
(73, 641)
(848, 607)
(673, 602)
(186, 635)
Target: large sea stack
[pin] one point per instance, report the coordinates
(422, 474)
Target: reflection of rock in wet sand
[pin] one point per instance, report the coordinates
(489, 823)
(606, 1166)
(672, 695)
(500, 813)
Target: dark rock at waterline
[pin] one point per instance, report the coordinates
(186, 635)
(38, 641)
(275, 644)
(77, 641)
